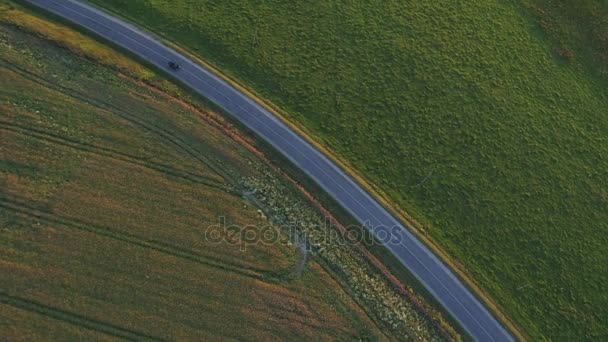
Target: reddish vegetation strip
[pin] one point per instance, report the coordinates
(220, 123)
(210, 117)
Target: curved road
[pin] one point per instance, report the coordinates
(431, 272)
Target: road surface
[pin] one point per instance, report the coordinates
(431, 272)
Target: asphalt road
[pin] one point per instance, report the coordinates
(431, 272)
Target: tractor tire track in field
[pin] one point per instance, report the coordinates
(175, 141)
(44, 214)
(75, 319)
(112, 154)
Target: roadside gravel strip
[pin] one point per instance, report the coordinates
(431, 272)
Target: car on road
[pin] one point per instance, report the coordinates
(174, 65)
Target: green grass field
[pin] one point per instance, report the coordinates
(485, 121)
(106, 189)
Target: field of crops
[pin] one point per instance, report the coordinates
(485, 121)
(106, 191)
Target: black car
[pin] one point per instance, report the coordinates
(173, 65)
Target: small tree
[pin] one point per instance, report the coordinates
(566, 54)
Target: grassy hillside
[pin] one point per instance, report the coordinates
(106, 191)
(486, 121)
(578, 30)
